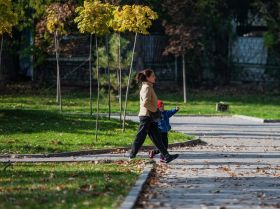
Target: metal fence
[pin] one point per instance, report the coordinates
(252, 61)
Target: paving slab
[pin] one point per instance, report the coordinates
(238, 168)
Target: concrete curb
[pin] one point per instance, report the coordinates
(202, 115)
(256, 119)
(193, 142)
(271, 121)
(260, 120)
(136, 190)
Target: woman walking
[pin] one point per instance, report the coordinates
(148, 108)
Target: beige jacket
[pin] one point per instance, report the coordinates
(148, 99)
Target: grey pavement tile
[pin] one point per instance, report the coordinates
(238, 168)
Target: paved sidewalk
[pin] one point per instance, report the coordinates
(239, 168)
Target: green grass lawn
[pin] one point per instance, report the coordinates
(259, 105)
(31, 123)
(263, 106)
(67, 185)
(38, 131)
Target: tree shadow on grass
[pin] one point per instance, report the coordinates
(37, 131)
(34, 121)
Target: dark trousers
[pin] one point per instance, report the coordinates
(147, 126)
(164, 139)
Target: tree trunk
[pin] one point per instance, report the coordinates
(120, 77)
(128, 82)
(98, 93)
(184, 79)
(57, 65)
(109, 78)
(176, 68)
(1, 49)
(58, 88)
(90, 75)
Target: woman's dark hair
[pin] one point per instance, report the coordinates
(143, 75)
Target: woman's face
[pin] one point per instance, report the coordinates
(152, 78)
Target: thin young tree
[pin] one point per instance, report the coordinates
(116, 25)
(8, 19)
(182, 27)
(136, 19)
(94, 18)
(120, 75)
(57, 15)
(109, 76)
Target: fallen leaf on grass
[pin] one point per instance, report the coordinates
(86, 188)
(51, 176)
(10, 141)
(59, 187)
(86, 203)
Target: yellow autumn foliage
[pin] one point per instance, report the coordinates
(98, 18)
(7, 17)
(94, 17)
(57, 16)
(135, 18)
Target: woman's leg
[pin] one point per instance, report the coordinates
(141, 135)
